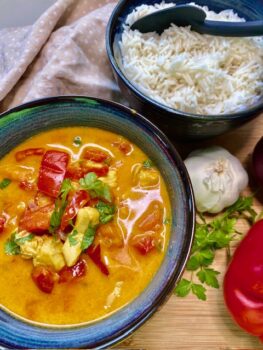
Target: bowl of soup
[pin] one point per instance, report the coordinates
(96, 222)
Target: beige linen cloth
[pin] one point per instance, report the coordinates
(63, 53)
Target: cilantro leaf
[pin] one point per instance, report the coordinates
(199, 291)
(88, 237)
(12, 245)
(147, 164)
(60, 206)
(183, 288)
(77, 141)
(106, 211)
(4, 183)
(96, 187)
(72, 238)
(209, 277)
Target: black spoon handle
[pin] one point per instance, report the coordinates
(235, 29)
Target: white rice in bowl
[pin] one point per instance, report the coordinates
(194, 73)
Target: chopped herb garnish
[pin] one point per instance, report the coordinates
(12, 245)
(209, 237)
(147, 164)
(77, 141)
(4, 183)
(60, 206)
(166, 221)
(96, 187)
(88, 237)
(72, 238)
(106, 211)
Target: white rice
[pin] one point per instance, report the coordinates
(191, 72)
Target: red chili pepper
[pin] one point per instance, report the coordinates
(78, 200)
(44, 278)
(243, 282)
(95, 155)
(2, 223)
(103, 171)
(144, 244)
(94, 252)
(21, 155)
(52, 172)
(68, 274)
(124, 147)
(74, 173)
(37, 220)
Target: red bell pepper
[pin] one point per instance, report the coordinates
(68, 274)
(94, 252)
(52, 172)
(243, 282)
(2, 223)
(44, 278)
(95, 155)
(21, 155)
(78, 200)
(37, 220)
(144, 244)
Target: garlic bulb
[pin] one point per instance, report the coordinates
(217, 178)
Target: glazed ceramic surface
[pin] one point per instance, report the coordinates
(175, 123)
(24, 121)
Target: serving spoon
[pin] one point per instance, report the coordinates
(187, 15)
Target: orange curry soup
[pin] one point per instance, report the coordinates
(84, 225)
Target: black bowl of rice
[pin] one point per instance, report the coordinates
(192, 86)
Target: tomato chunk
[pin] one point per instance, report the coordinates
(44, 278)
(68, 274)
(94, 252)
(95, 155)
(78, 200)
(150, 221)
(21, 155)
(144, 244)
(2, 223)
(52, 172)
(37, 220)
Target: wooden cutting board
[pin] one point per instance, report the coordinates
(190, 324)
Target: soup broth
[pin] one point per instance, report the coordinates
(84, 221)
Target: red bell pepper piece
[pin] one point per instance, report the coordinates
(95, 155)
(44, 278)
(68, 274)
(78, 200)
(243, 282)
(144, 244)
(37, 220)
(2, 223)
(52, 172)
(94, 252)
(21, 155)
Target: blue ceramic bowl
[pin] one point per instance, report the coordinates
(175, 123)
(32, 118)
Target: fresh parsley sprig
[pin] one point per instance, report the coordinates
(209, 237)
(60, 206)
(4, 183)
(95, 187)
(12, 245)
(106, 211)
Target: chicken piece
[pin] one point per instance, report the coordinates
(50, 254)
(110, 179)
(43, 250)
(18, 173)
(86, 216)
(148, 177)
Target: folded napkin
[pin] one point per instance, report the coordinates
(63, 53)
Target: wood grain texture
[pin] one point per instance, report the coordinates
(190, 324)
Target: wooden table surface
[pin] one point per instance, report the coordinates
(190, 324)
